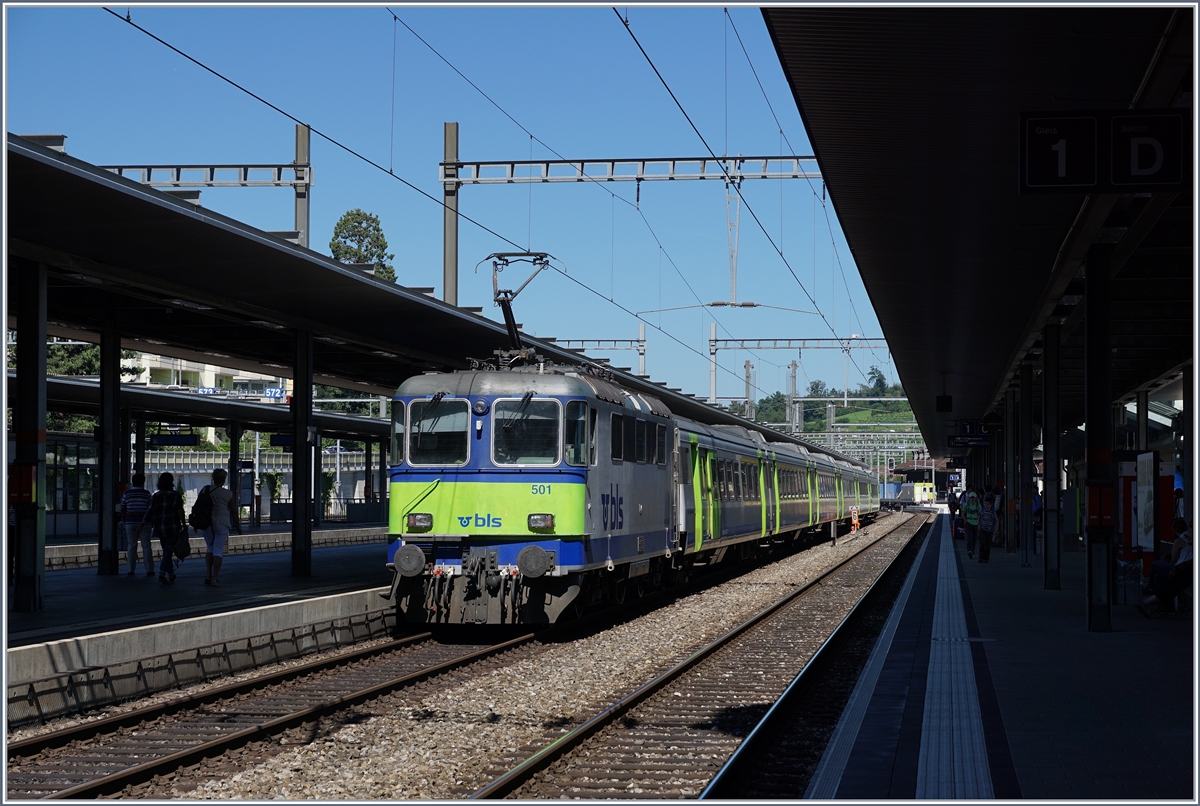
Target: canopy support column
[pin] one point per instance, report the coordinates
(1098, 412)
(108, 560)
(27, 548)
(1051, 461)
(1027, 481)
(302, 455)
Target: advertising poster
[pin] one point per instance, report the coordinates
(1144, 515)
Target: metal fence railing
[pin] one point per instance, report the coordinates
(197, 461)
(337, 510)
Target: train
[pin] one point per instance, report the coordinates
(531, 494)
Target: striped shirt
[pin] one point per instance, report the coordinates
(135, 503)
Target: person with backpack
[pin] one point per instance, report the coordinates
(987, 527)
(165, 517)
(213, 515)
(970, 510)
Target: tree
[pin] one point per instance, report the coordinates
(772, 408)
(77, 359)
(818, 388)
(358, 238)
(877, 381)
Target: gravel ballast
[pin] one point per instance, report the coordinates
(451, 742)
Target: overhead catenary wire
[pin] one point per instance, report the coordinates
(379, 167)
(310, 127)
(729, 179)
(392, 132)
(828, 223)
(615, 196)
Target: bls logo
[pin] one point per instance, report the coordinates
(481, 521)
(612, 504)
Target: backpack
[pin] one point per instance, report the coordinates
(987, 520)
(201, 514)
(972, 509)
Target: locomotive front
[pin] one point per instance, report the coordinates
(488, 489)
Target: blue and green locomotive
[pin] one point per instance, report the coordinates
(523, 494)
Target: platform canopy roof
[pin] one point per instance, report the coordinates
(913, 115)
(173, 278)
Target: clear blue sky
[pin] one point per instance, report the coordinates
(571, 76)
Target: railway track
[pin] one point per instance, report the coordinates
(106, 756)
(670, 737)
(777, 760)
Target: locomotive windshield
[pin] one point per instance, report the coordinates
(438, 432)
(525, 432)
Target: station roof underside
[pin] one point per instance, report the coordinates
(179, 280)
(913, 114)
(82, 396)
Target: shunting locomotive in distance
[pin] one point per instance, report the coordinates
(528, 493)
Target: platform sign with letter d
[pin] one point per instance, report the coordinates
(1109, 151)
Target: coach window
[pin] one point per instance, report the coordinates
(525, 432)
(438, 433)
(640, 440)
(616, 437)
(661, 445)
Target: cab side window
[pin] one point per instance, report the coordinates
(615, 436)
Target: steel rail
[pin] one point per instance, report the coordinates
(523, 772)
(88, 730)
(142, 772)
(734, 762)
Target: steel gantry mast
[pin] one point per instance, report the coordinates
(297, 175)
(638, 344)
(714, 344)
(456, 173)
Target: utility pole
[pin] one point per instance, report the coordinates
(792, 402)
(450, 215)
(712, 363)
(733, 216)
(749, 391)
(303, 182)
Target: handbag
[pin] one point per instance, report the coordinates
(182, 547)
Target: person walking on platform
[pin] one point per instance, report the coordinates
(998, 493)
(166, 517)
(223, 517)
(971, 510)
(987, 527)
(135, 503)
(951, 504)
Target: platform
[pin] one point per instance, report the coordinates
(79, 602)
(984, 685)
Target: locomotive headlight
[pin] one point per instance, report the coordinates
(537, 522)
(420, 521)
